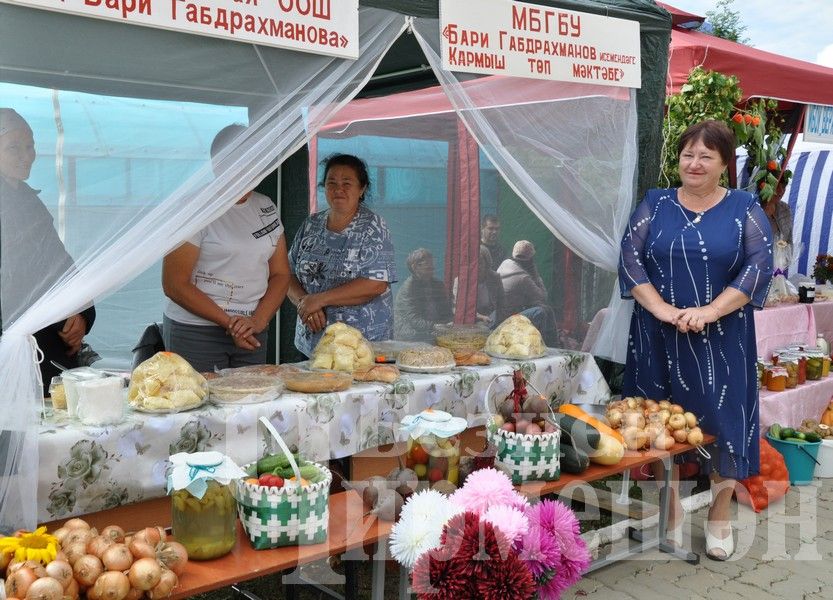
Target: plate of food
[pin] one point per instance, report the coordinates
(245, 388)
(516, 339)
(426, 359)
(165, 383)
(318, 381)
(161, 410)
(516, 356)
(387, 351)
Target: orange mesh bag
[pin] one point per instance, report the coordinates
(770, 485)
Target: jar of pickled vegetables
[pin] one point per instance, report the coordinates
(825, 366)
(776, 378)
(434, 445)
(790, 363)
(203, 509)
(802, 369)
(815, 365)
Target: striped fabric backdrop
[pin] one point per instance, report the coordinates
(810, 196)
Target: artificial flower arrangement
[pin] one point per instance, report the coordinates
(486, 541)
(823, 269)
(25, 545)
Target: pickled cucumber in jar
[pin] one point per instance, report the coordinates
(203, 508)
(207, 526)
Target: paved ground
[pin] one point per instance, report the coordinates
(784, 552)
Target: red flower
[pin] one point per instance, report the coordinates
(747, 119)
(438, 577)
(772, 165)
(756, 120)
(737, 118)
(509, 579)
(475, 560)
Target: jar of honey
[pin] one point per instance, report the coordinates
(776, 379)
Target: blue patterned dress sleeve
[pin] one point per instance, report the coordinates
(632, 270)
(756, 275)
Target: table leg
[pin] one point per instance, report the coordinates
(351, 579)
(404, 593)
(377, 585)
(661, 541)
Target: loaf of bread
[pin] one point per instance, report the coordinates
(466, 358)
(383, 373)
(309, 382)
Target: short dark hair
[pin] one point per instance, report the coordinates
(348, 160)
(224, 136)
(418, 255)
(489, 219)
(715, 135)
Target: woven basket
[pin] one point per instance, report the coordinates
(522, 456)
(287, 516)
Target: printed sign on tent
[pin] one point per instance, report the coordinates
(818, 124)
(501, 37)
(328, 27)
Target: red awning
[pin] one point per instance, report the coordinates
(679, 17)
(761, 74)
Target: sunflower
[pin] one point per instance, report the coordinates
(37, 545)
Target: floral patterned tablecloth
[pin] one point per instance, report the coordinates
(86, 469)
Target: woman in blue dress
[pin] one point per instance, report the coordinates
(697, 260)
(342, 261)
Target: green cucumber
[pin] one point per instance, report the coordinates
(797, 440)
(787, 432)
(775, 431)
(812, 437)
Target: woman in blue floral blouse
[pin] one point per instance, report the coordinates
(342, 261)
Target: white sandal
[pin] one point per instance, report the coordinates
(726, 545)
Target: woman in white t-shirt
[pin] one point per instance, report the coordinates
(226, 283)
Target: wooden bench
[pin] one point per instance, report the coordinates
(349, 530)
(382, 460)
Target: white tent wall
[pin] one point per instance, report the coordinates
(288, 97)
(297, 93)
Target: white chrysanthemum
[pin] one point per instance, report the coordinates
(427, 504)
(509, 520)
(420, 526)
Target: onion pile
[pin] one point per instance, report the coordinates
(110, 565)
(645, 423)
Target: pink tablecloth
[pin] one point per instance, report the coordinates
(778, 326)
(790, 407)
(823, 312)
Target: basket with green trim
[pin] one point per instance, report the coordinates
(296, 514)
(524, 457)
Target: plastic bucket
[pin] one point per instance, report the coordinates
(825, 457)
(800, 458)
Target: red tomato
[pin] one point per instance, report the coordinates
(276, 481)
(264, 479)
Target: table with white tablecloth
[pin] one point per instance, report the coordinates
(85, 469)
